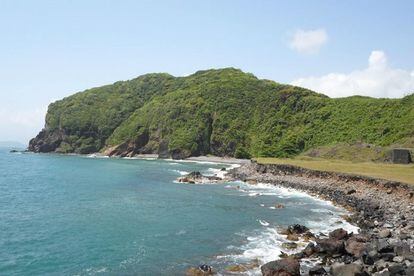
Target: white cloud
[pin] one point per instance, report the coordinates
(308, 42)
(377, 80)
(21, 125)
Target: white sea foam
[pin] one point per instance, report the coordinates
(263, 222)
(180, 172)
(266, 245)
(95, 155)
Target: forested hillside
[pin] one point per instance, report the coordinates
(224, 112)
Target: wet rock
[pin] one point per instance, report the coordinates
(308, 235)
(283, 267)
(279, 206)
(197, 177)
(237, 268)
(309, 250)
(297, 229)
(252, 181)
(340, 269)
(289, 245)
(292, 237)
(338, 234)
(202, 270)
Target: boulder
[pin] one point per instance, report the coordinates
(341, 269)
(283, 267)
(401, 156)
(197, 177)
(355, 247)
(338, 234)
(396, 269)
(330, 246)
(384, 233)
(297, 229)
(309, 250)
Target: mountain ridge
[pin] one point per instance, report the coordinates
(224, 112)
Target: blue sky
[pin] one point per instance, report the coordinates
(51, 49)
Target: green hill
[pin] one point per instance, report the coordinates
(224, 112)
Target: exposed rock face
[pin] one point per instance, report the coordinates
(130, 148)
(163, 150)
(46, 141)
(283, 267)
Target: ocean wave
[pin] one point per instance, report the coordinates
(266, 244)
(180, 172)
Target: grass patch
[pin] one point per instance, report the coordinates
(394, 172)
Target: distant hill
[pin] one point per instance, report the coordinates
(12, 144)
(224, 112)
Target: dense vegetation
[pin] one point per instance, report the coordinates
(220, 112)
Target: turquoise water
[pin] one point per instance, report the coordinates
(73, 215)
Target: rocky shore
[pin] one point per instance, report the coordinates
(384, 211)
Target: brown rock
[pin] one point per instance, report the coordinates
(338, 234)
(330, 246)
(355, 248)
(289, 245)
(195, 271)
(283, 267)
(292, 237)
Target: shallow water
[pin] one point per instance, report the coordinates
(75, 215)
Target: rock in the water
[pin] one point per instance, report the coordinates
(289, 245)
(283, 267)
(340, 269)
(292, 237)
(297, 229)
(309, 249)
(197, 177)
(202, 270)
(279, 206)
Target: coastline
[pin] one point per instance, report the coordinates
(387, 228)
(387, 246)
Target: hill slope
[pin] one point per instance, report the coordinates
(224, 112)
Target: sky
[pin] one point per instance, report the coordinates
(52, 49)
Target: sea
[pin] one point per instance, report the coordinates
(84, 215)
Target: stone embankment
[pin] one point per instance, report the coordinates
(384, 211)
